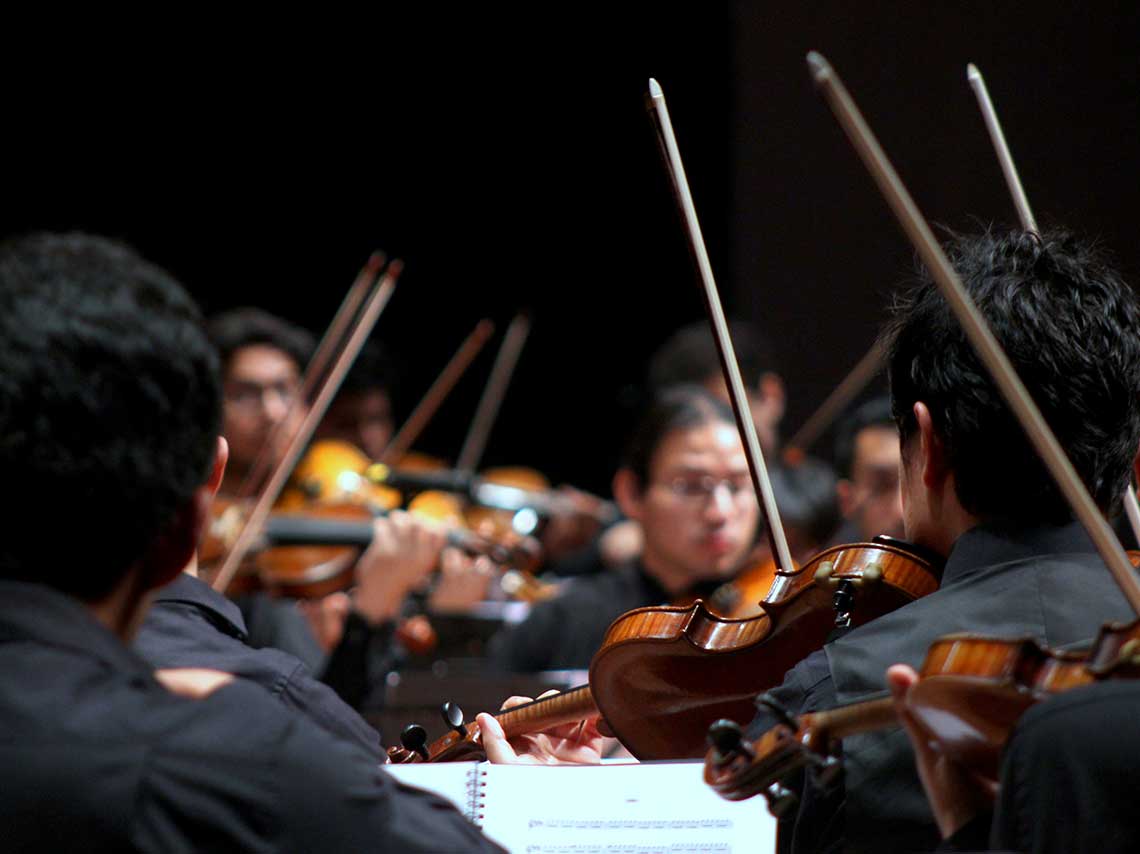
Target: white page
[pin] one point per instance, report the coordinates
(452, 780)
(618, 809)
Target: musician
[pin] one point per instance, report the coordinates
(347, 640)
(361, 413)
(973, 490)
(1067, 777)
(867, 458)
(685, 481)
(110, 402)
(263, 357)
(189, 625)
(689, 355)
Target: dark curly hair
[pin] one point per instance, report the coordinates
(1071, 328)
(109, 408)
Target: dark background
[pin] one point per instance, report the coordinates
(508, 160)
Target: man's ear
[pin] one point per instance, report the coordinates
(221, 457)
(627, 493)
(932, 461)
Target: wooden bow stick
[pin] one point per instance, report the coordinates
(377, 300)
(1025, 214)
(455, 368)
(978, 333)
(737, 396)
(488, 409)
(333, 339)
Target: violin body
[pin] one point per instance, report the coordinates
(971, 694)
(663, 675)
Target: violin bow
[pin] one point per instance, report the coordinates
(331, 342)
(740, 408)
(976, 329)
(425, 410)
(1025, 214)
(378, 298)
(837, 401)
(488, 409)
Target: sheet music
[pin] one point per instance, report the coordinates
(618, 809)
(649, 808)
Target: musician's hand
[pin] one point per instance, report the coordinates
(403, 553)
(462, 582)
(569, 744)
(955, 795)
(568, 531)
(326, 617)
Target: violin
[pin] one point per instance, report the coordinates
(464, 742)
(971, 693)
(311, 554)
(663, 675)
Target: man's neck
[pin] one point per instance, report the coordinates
(122, 610)
(674, 580)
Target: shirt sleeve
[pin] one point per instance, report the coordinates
(238, 772)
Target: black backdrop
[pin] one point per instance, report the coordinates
(508, 160)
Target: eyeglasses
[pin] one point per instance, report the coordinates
(700, 489)
(250, 396)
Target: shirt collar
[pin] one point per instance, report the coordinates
(39, 614)
(193, 591)
(655, 592)
(985, 546)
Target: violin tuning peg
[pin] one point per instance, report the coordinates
(453, 717)
(726, 738)
(827, 772)
(781, 800)
(414, 739)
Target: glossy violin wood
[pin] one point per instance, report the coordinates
(663, 675)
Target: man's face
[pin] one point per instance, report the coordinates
(698, 510)
(871, 498)
(260, 387)
(363, 419)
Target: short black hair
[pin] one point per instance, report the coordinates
(675, 408)
(875, 412)
(1071, 328)
(232, 330)
(109, 408)
(689, 355)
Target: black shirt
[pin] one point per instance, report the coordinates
(563, 633)
(363, 656)
(96, 756)
(192, 625)
(1045, 583)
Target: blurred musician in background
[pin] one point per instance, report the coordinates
(684, 480)
(867, 459)
(111, 404)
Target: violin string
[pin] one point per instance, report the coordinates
(977, 331)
